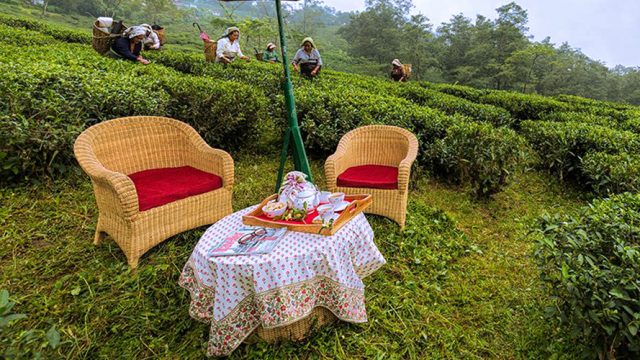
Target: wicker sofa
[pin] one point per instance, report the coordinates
(376, 160)
(153, 177)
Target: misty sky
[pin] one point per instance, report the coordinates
(603, 30)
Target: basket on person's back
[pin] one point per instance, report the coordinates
(105, 31)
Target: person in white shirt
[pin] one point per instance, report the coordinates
(307, 59)
(229, 46)
(151, 41)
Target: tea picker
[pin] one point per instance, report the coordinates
(292, 136)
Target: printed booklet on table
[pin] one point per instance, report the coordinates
(248, 240)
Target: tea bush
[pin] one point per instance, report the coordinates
(581, 117)
(56, 31)
(8, 35)
(524, 106)
(592, 103)
(50, 94)
(479, 154)
(461, 91)
(607, 173)
(561, 145)
(590, 264)
(454, 105)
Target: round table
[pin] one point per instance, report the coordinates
(307, 276)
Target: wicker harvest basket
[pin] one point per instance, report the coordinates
(160, 33)
(407, 69)
(296, 331)
(101, 40)
(210, 48)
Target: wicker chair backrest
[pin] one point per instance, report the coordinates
(128, 145)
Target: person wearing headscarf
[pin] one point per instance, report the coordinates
(397, 71)
(151, 40)
(129, 45)
(307, 59)
(270, 54)
(229, 46)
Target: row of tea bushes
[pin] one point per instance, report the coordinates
(590, 264)
(49, 94)
(454, 105)
(58, 32)
(600, 158)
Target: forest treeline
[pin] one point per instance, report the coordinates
(497, 53)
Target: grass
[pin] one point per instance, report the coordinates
(459, 282)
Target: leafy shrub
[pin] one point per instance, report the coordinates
(581, 117)
(480, 154)
(461, 91)
(524, 106)
(61, 33)
(608, 173)
(561, 145)
(49, 95)
(577, 100)
(454, 105)
(9, 35)
(632, 124)
(590, 263)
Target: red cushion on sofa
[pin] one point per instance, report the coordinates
(157, 187)
(370, 176)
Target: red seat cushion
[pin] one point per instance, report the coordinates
(370, 176)
(157, 187)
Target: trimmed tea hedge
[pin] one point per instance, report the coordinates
(607, 173)
(49, 94)
(58, 32)
(524, 106)
(454, 105)
(479, 154)
(561, 145)
(590, 263)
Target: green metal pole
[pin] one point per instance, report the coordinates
(299, 155)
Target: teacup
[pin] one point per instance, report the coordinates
(336, 198)
(326, 212)
(324, 196)
(322, 209)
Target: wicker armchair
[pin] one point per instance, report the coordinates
(112, 152)
(369, 149)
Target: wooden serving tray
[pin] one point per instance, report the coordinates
(357, 204)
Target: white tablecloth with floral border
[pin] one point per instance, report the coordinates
(236, 294)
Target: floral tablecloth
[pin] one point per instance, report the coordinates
(236, 294)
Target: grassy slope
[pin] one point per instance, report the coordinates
(485, 304)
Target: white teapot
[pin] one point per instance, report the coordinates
(296, 192)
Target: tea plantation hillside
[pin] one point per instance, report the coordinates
(498, 228)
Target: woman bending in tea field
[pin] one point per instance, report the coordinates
(129, 45)
(307, 60)
(229, 46)
(397, 71)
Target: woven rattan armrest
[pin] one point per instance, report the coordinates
(214, 161)
(404, 168)
(334, 166)
(120, 194)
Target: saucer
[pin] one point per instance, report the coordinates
(343, 205)
(318, 219)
